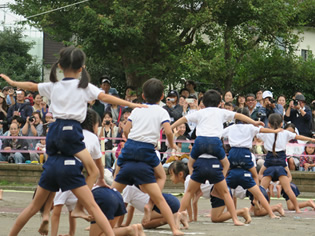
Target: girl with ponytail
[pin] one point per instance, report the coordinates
(69, 98)
(275, 167)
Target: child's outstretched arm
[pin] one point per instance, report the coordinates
(266, 130)
(169, 134)
(239, 116)
(180, 121)
(23, 85)
(304, 138)
(114, 100)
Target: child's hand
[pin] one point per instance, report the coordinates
(259, 123)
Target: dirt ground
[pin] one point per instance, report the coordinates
(292, 224)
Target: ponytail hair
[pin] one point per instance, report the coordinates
(275, 121)
(53, 76)
(92, 118)
(71, 58)
(178, 166)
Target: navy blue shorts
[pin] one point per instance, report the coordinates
(207, 169)
(63, 173)
(294, 189)
(64, 137)
(240, 157)
(279, 160)
(135, 172)
(240, 177)
(275, 172)
(172, 201)
(251, 196)
(208, 145)
(138, 151)
(110, 201)
(217, 202)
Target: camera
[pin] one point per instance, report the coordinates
(170, 99)
(31, 119)
(295, 102)
(190, 100)
(107, 122)
(261, 115)
(272, 100)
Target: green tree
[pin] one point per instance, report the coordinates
(15, 60)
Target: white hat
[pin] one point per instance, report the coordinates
(267, 94)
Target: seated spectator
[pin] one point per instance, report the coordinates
(300, 115)
(126, 113)
(20, 108)
(172, 107)
(116, 111)
(33, 127)
(19, 121)
(108, 130)
(14, 144)
(3, 114)
(182, 102)
(293, 152)
(250, 102)
(228, 97)
(268, 107)
(307, 160)
(29, 98)
(259, 151)
(39, 105)
(282, 101)
(179, 155)
(40, 146)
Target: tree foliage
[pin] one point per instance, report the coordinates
(232, 44)
(14, 58)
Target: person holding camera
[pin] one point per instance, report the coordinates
(33, 127)
(108, 130)
(300, 115)
(172, 107)
(20, 108)
(268, 107)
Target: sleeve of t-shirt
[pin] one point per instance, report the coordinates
(165, 117)
(186, 182)
(92, 92)
(261, 136)
(290, 135)
(45, 89)
(227, 115)
(96, 149)
(255, 130)
(133, 114)
(193, 117)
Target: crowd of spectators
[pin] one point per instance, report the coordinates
(27, 114)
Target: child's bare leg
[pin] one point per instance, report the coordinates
(119, 187)
(193, 187)
(265, 182)
(275, 208)
(93, 173)
(260, 197)
(222, 189)
(272, 194)
(278, 187)
(190, 164)
(309, 203)
(72, 225)
(285, 183)
(40, 198)
(253, 171)
(183, 217)
(85, 196)
(218, 214)
(44, 226)
(55, 217)
(1, 191)
(155, 194)
(160, 177)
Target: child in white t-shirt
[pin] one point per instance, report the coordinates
(208, 155)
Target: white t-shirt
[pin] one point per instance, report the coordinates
(282, 139)
(134, 196)
(205, 188)
(67, 100)
(147, 123)
(210, 121)
(241, 135)
(92, 144)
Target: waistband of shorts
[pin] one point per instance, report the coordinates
(66, 120)
(207, 156)
(139, 142)
(280, 152)
(241, 148)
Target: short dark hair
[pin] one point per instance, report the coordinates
(153, 90)
(250, 95)
(211, 98)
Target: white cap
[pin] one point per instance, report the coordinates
(267, 94)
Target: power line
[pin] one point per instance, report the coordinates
(57, 9)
